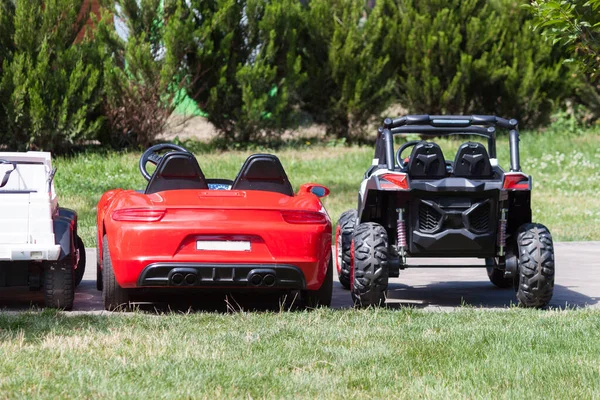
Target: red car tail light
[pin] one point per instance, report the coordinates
(139, 214)
(394, 181)
(516, 181)
(303, 217)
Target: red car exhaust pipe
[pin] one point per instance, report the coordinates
(269, 280)
(262, 277)
(255, 279)
(177, 279)
(191, 279)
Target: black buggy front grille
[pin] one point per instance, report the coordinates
(429, 218)
(436, 215)
(479, 217)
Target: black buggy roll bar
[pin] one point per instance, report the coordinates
(444, 125)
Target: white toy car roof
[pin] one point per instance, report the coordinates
(32, 171)
(42, 157)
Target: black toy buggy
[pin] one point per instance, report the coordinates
(427, 206)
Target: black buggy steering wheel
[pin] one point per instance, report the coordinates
(151, 155)
(399, 159)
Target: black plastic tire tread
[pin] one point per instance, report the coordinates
(370, 265)
(536, 266)
(497, 275)
(115, 298)
(99, 283)
(80, 271)
(59, 288)
(347, 223)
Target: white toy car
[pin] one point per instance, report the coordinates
(39, 246)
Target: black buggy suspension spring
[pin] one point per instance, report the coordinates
(401, 232)
(502, 232)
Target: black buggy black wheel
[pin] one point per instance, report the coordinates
(369, 266)
(343, 237)
(536, 266)
(497, 275)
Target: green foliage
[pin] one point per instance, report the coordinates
(49, 83)
(351, 57)
(477, 56)
(255, 66)
(6, 30)
(242, 62)
(141, 85)
(575, 25)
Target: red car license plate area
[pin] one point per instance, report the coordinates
(223, 248)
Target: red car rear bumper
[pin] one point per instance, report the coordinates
(200, 275)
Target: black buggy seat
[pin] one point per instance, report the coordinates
(426, 162)
(472, 161)
(263, 172)
(177, 170)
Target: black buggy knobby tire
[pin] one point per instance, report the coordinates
(536, 266)
(344, 231)
(497, 275)
(59, 285)
(113, 295)
(79, 246)
(322, 296)
(369, 267)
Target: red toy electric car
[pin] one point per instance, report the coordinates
(185, 231)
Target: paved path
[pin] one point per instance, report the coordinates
(577, 285)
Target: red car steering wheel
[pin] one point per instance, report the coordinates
(152, 155)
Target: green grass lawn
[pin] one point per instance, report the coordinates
(565, 170)
(321, 354)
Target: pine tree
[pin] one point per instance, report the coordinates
(351, 59)
(142, 80)
(50, 84)
(271, 77)
(477, 56)
(241, 61)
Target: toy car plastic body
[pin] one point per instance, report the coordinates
(185, 231)
(39, 246)
(426, 206)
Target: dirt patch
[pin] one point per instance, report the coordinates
(198, 128)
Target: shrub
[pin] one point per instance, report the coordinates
(351, 58)
(576, 26)
(241, 60)
(50, 84)
(141, 85)
(478, 56)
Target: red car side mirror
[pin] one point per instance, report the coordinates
(314, 188)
